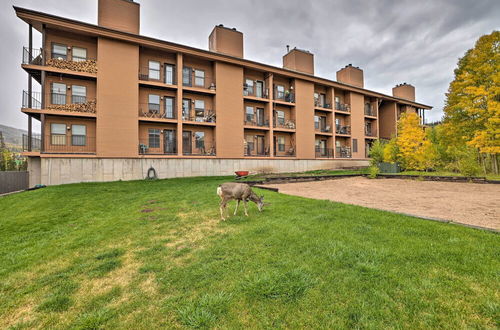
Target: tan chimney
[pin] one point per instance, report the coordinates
(404, 91)
(351, 75)
(226, 41)
(299, 60)
(123, 15)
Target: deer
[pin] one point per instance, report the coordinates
(239, 192)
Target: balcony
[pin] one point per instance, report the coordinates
(157, 76)
(35, 56)
(147, 147)
(322, 129)
(370, 132)
(251, 151)
(343, 129)
(204, 150)
(284, 150)
(343, 152)
(154, 110)
(256, 123)
(60, 144)
(58, 102)
(323, 152)
(193, 78)
(254, 91)
(207, 116)
(369, 110)
(284, 96)
(319, 104)
(284, 123)
(342, 107)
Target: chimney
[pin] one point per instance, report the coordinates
(225, 40)
(299, 60)
(351, 75)
(404, 91)
(123, 15)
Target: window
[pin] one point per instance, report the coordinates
(78, 94)
(199, 78)
(280, 91)
(170, 145)
(154, 70)
(78, 135)
(154, 138)
(169, 107)
(260, 116)
(169, 74)
(259, 89)
(199, 140)
(337, 102)
(316, 98)
(250, 114)
(280, 115)
(58, 95)
(58, 134)
(281, 143)
(250, 143)
(322, 99)
(186, 76)
(154, 103)
(79, 54)
(59, 51)
(354, 145)
(249, 87)
(316, 122)
(199, 109)
(186, 108)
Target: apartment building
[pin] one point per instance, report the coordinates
(113, 103)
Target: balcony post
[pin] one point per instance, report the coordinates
(178, 102)
(42, 129)
(270, 111)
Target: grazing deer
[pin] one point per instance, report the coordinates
(239, 192)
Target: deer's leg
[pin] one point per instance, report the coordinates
(245, 204)
(222, 206)
(236, 208)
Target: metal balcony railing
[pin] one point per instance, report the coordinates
(342, 107)
(369, 110)
(286, 123)
(284, 150)
(343, 152)
(252, 151)
(208, 117)
(253, 122)
(323, 129)
(255, 92)
(33, 101)
(158, 147)
(32, 56)
(36, 56)
(343, 129)
(32, 144)
(285, 96)
(319, 104)
(205, 150)
(155, 110)
(370, 132)
(323, 152)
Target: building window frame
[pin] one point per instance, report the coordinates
(58, 53)
(169, 105)
(78, 94)
(199, 78)
(250, 114)
(154, 138)
(79, 139)
(58, 134)
(169, 74)
(154, 103)
(58, 93)
(78, 58)
(154, 70)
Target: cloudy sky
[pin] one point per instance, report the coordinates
(417, 42)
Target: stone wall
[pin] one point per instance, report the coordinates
(56, 171)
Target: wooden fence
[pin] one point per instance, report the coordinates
(13, 181)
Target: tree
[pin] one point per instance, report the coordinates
(472, 107)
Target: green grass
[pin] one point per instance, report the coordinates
(153, 254)
(445, 173)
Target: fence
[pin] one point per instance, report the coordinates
(11, 181)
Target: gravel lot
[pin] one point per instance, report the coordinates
(467, 203)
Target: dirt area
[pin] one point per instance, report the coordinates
(468, 203)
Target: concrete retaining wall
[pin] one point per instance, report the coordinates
(54, 171)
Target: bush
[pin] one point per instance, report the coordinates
(467, 163)
(373, 171)
(377, 152)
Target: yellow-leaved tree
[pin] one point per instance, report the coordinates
(410, 148)
(472, 109)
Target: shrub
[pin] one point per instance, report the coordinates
(373, 171)
(377, 152)
(467, 163)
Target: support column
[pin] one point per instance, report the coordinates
(42, 130)
(179, 103)
(270, 107)
(30, 88)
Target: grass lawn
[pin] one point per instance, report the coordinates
(153, 254)
(445, 173)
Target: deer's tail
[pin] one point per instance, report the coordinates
(219, 191)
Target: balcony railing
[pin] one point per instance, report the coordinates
(206, 150)
(342, 107)
(319, 104)
(343, 129)
(263, 123)
(323, 129)
(287, 123)
(148, 147)
(155, 110)
(32, 144)
(255, 92)
(68, 62)
(286, 150)
(250, 151)
(145, 73)
(33, 101)
(32, 56)
(323, 152)
(343, 152)
(370, 132)
(369, 110)
(285, 96)
(208, 117)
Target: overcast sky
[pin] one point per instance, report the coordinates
(417, 42)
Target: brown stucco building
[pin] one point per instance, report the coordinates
(114, 103)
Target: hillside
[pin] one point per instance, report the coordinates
(13, 137)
